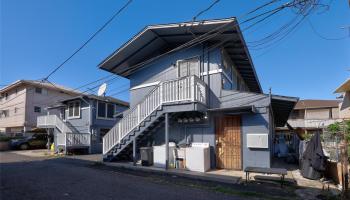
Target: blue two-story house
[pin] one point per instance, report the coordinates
(195, 82)
(80, 122)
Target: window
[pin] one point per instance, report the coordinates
(4, 113)
(74, 109)
(110, 110)
(226, 84)
(16, 109)
(37, 109)
(105, 110)
(188, 67)
(101, 109)
(38, 90)
(6, 96)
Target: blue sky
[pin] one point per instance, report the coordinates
(38, 35)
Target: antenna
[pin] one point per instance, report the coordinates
(102, 90)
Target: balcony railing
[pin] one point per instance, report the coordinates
(67, 137)
(187, 89)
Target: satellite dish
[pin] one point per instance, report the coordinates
(102, 89)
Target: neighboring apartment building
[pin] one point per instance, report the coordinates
(314, 115)
(80, 122)
(206, 93)
(344, 106)
(22, 101)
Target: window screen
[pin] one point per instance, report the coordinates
(70, 109)
(77, 109)
(37, 109)
(101, 109)
(38, 90)
(110, 111)
(188, 67)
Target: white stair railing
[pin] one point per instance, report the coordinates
(187, 89)
(67, 137)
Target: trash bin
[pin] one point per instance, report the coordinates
(146, 156)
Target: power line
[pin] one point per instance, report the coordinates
(91, 37)
(321, 36)
(205, 10)
(208, 35)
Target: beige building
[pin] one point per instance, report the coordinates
(344, 106)
(22, 101)
(314, 115)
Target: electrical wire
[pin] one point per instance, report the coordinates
(321, 36)
(90, 38)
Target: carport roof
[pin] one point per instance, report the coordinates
(282, 106)
(155, 40)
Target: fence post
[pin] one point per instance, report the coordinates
(138, 113)
(192, 88)
(161, 93)
(120, 133)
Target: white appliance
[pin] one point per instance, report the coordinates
(257, 140)
(198, 157)
(159, 155)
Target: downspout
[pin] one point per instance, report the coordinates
(271, 115)
(90, 125)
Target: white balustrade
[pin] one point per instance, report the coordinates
(187, 89)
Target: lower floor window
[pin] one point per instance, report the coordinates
(37, 109)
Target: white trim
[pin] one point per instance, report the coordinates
(182, 60)
(215, 71)
(106, 110)
(74, 117)
(85, 108)
(145, 85)
(227, 77)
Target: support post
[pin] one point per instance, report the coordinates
(134, 151)
(166, 140)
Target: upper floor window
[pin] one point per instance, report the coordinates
(37, 109)
(6, 96)
(38, 90)
(74, 109)
(188, 67)
(4, 113)
(105, 110)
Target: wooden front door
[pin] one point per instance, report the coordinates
(228, 142)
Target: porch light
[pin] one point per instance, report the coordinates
(179, 120)
(185, 120)
(191, 120)
(197, 119)
(205, 116)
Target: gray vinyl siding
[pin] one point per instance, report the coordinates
(165, 69)
(259, 122)
(82, 124)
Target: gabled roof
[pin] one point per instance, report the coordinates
(100, 98)
(155, 40)
(313, 103)
(343, 87)
(41, 84)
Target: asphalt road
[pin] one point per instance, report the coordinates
(24, 177)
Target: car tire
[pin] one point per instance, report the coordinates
(24, 147)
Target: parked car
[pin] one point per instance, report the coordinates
(30, 142)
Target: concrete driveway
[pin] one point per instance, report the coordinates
(39, 178)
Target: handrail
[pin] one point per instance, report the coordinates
(189, 89)
(53, 120)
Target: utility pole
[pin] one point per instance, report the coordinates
(344, 162)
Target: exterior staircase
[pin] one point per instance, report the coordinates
(149, 113)
(68, 136)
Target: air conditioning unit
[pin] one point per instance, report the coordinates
(258, 140)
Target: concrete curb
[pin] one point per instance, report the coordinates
(173, 172)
